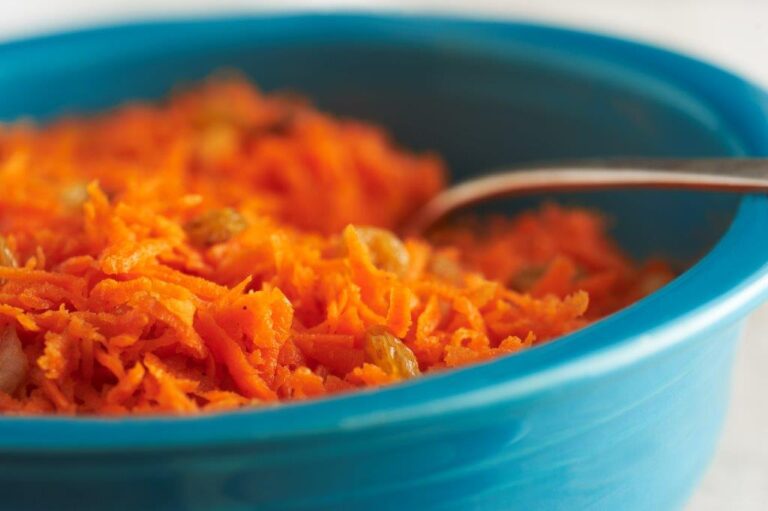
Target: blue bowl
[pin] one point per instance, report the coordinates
(623, 414)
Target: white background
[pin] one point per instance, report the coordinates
(733, 33)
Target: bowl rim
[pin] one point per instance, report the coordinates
(579, 355)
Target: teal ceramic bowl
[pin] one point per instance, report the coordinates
(623, 414)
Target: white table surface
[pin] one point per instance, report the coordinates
(732, 33)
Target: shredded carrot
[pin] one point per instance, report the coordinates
(227, 248)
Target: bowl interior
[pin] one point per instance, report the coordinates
(482, 103)
(484, 95)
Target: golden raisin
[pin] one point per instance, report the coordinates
(525, 278)
(386, 250)
(13, 361)
(74, 195)
(218, 141)
(446, 268)
(6, 256)
(389, 353)
(652, 282)
(215, 226)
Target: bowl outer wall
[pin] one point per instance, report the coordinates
(702, 305)
(637, 441)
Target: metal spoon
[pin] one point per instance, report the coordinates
(733, 175)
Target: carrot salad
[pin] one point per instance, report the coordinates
(227, 248)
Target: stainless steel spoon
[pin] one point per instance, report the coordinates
(733, 174)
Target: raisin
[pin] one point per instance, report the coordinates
(389, 353)
(215, 226)
(387, 252)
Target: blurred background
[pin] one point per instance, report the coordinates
(731, 33)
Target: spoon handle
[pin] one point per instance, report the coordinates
(731, 174)
(742, 174)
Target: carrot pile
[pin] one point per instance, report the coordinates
(228, 248)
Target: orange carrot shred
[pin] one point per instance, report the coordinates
(226, 248)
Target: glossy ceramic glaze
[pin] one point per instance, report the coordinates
(624, 414)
